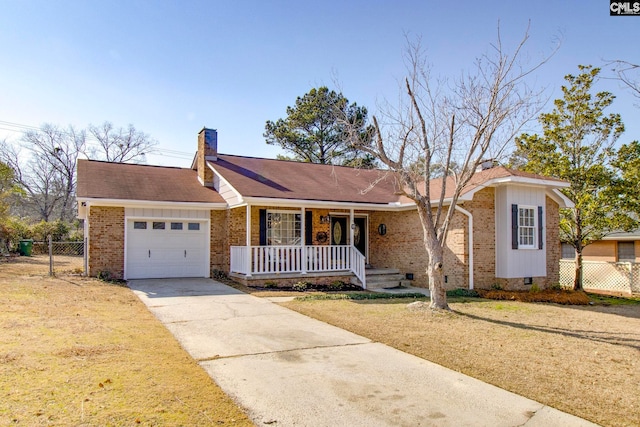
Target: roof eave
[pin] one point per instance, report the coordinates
(561, 199)
(511, 179)
(96, 201)
(325, 204)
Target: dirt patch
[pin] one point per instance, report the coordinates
(584, 360)
(80, 352)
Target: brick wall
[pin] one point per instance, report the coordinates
(219, 241)
(106, 241)
(403, 248)
(482, 207)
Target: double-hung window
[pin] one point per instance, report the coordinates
(526, 227)
(283, 228)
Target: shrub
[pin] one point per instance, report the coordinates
(471, 293)
(534, 288)
(270, 284)
(336, 285)
(58, 230)
(104, 275)
(300, 286)
(13, 229)
(218, 274)
(496, 287)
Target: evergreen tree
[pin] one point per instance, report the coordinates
(578, 146)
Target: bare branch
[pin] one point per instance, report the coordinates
(444, 122)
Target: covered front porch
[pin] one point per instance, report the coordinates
(306, 259)
(289, 242)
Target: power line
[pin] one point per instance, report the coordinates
(22, 128)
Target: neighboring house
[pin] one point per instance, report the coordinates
(265, 220)
(615, 247)
(611, 264)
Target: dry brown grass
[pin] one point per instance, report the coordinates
(582, 360)
(80, 352)
(558, 296)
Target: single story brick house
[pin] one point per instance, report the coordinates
(262, 220)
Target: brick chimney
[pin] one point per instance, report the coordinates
(207, 151)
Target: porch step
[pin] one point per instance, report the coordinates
(379, 278)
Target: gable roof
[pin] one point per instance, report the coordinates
(260, 178)
(122, 181)
(280, 179)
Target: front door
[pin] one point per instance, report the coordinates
(339, 230)
(360, 234)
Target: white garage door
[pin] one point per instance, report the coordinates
(159, 248)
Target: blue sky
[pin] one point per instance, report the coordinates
(172, 67)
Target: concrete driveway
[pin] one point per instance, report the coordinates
(287, 369)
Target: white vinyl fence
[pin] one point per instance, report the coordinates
(603, 276)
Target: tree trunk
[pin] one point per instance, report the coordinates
(436, 278)
(577, 281)
(435, 253)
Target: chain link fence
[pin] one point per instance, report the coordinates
(605, 276)
(64, 257)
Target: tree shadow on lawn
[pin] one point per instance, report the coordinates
(619, 339)
(630, 311)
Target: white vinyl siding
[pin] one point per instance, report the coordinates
(516, 263)
(225, 190)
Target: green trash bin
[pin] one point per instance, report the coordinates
(26, 247)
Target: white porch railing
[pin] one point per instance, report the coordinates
(297, 259)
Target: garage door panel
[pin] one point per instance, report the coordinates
(168, 252)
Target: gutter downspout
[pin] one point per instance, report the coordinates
(470, 216)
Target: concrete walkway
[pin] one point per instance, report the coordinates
(287, 369)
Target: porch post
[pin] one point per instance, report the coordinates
(248, 241)
(303, 235)
(351, 230)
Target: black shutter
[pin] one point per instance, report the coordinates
(540, 231)
(308, 223)
(263, 227)
(514, 226)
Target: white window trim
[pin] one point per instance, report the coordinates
(534, 244)
(288, 212)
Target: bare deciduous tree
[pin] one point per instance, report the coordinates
(454, 125)
(48, 173)
(120, 145)
(48, 176)
(628, 74)
(39, 197)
